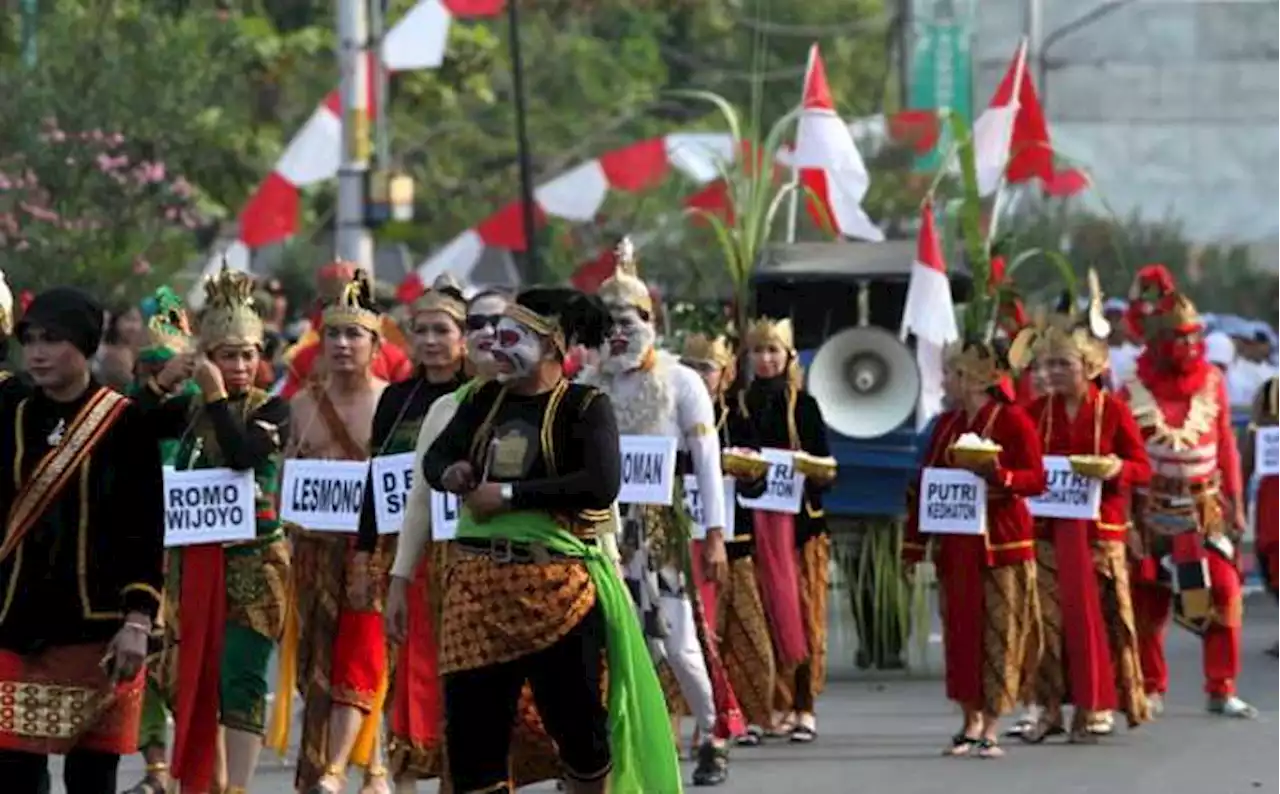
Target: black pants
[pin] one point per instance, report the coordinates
(85, 772)
(481, 705)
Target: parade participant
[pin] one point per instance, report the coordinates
(83, 587)
(390, 363)
(230, 598)
(1193, 512)
(738, 612)
(791, 552)
(532, 597)
(987, 582)
(436, 331)
(341, 653)
(1089, 655)
(654, 395)
(1266, 511)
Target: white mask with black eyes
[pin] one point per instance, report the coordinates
(482, 325)
(516, 350)
(631, 337)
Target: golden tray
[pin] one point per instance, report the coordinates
(969, 457)
(1096, 466)
(815, 468)
(744, 467)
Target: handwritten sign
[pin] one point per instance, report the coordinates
(392, 477)
(648, 470)
(952, 502)
(445, 509)
(1067, 494)
(208, 506)
(697, 511)
(323, 495)
(784, 486)
(1266, 451)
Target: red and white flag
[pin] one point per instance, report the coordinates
(929, 314)
(828, 160)
(1011, 137)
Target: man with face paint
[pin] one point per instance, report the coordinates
(1190, 518)
(655, 395)
(341, 645)
(231, 597)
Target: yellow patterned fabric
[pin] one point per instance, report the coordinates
(1047, 686)
(745, 644)
(1112, 569)
(1011, 637)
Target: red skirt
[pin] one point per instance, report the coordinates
(61, 699)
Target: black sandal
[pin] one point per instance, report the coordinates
(1040, 731)
(961, 745)
(151, 783)
(988, 748)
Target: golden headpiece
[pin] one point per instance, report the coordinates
(624, 289)
(229, 317)
(763, 330)
(703, 349)
(443, 297)
(974, 361)
(1063, 334)
(354, 306)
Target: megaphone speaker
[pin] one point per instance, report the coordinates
(865, 381)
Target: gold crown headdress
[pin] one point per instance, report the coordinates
(974, 361)
(704, 349)
(229, 317)
(1063, 334)
(437, 299)
(762, 331)
(625, 289)
(354, 306)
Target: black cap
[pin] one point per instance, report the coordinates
(67, 313)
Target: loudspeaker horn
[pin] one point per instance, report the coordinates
(866, 382)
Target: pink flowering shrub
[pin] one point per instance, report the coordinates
(83, 208)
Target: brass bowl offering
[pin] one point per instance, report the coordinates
(815, 468)
(743, 465)
(1095, 466)
(973, 457)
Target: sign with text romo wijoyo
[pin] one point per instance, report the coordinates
(323, 495)
(208, 506)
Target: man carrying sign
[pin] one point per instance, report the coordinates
(653, 394)
(82, 557)
(231, 600)
(341, 647)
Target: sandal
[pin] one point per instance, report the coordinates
(782, 728)
(961, 745)
(1020, 727)
(151, 783)
(988, 748)
(375, 781)
(1040, 731)
(751, 738)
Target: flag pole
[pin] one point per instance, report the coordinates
(1019, 70)
(533, 270)
(793, 203)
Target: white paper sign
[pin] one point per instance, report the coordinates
(1067, 494)
(323, 495)
(208, 506)
(648, 470)
(392, 477)
(693, 503)
(445, 509)
(784, 486)
(952, 502)
(1266, 451)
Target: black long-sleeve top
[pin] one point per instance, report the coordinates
(776, 415)
(396, 421)
(96, 552)
(584, 469)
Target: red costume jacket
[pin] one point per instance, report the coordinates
(1103, 425)
(1019, 473)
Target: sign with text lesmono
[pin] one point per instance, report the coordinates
(208, 506)
(1067, 494)
(697, 511)
(785, 486)
(445, 509)
(323, 495)
(952, 502)
(648, 469)
(392, 477)
(1266, 451)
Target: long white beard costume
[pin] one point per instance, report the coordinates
(669, 399)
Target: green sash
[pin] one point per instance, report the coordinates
(644, 752)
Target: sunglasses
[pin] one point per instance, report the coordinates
(481, 322)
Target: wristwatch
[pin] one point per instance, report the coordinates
(506, 490)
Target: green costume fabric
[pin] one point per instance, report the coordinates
(644, 756)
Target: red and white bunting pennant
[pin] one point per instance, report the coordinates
(928, 312)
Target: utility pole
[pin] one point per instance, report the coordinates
(354, 243)
(30, 12)
(533, 267)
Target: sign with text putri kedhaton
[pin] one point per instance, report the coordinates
(952, 502)
(323, 495)
(392, 477)
(784, 486)
(208, 506)
(1266, 451)
(697, 510)
(648, 470)
(1067, 494)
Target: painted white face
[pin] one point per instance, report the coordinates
(483, 315)
(631, 336)
(516, 351)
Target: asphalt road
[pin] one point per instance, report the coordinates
(883, 734)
